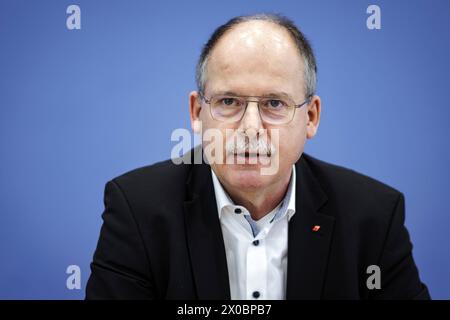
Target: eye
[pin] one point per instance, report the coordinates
(275, 103)
(228, 101)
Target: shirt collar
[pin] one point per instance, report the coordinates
(288, 203)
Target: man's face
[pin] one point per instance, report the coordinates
(256, 59)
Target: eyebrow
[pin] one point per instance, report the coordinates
(266, 95)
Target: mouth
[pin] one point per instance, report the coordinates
(248, 154)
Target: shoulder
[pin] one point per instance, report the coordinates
(157, 187)
(335, 176)
(165, 178)
(354, 194)
(158, 175)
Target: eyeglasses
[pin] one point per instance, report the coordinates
(272, 110)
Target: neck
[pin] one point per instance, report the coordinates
(262, 201)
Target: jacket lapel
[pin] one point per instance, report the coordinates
(308, 250)
(204, 236)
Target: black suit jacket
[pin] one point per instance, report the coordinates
(161, 237)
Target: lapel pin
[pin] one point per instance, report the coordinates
(316, 228)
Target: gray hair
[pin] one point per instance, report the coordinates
(303, 46)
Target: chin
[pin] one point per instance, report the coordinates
(246, 176)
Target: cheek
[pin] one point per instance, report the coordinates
(292, 143)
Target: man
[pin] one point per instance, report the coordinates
(226, 229)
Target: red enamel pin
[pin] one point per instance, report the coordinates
(316, 228)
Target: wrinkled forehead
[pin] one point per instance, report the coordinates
(256, 55)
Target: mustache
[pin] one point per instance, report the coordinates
(245, 145)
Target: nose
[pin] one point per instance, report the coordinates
(251, 122)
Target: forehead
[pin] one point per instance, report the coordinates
(254, 57)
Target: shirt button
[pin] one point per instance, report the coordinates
(237, 210)
(256, 294)
(256, 242)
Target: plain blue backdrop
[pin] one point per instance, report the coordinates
(79, 107)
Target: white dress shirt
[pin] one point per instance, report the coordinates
(256, 251)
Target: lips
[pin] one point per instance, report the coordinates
(249, 154)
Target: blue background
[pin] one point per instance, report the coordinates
(80, 107)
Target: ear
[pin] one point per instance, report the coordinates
(314, 109)
(194, 111)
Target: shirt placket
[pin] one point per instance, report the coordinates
(256, 269)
